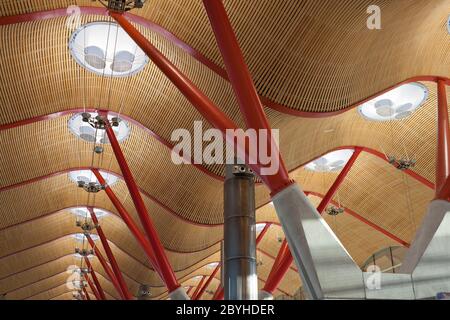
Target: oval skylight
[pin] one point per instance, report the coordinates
(333, 161)
(396, 104)
(87, 132)
(106, 49)
(79, 237)
(212, 265)
(79, 256)
(83, 212)
(87, 176)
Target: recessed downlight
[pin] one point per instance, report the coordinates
(89, 131)
(331, 162)
(106, 49)
(396, 104)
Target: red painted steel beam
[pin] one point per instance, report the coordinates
(110, 255)
(86, 294)
(197, 289)
(93, 288)
(95, 279)
(207, 283)
(263, 233)
(284, 258)
(443, 141)
(161, 259)
(216, 117)
(189, 291)
(244, 89)
(128, 220)
(106, 267)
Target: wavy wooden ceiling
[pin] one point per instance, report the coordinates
(305, 55)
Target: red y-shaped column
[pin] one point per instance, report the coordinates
(95, 279)
(163, 262)
(86, 294)
(207, 283)
(91, 285)
(284, 258)
(198, 287)
(128, 220)
(106, 267)
(110, 255)
(443, 147)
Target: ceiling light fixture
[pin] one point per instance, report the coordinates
(88, 126)
(106, 49)
(396, 104)
(331, 162)
(87, 177)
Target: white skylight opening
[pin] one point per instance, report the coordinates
(87, 176)
(331, 162)
(79, 237)
(79, 256)
(396, 104)
(83, 212)
(212, 265)
(85, 131)
(260, 227)
(106, 49)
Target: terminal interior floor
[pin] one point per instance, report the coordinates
(356, 89)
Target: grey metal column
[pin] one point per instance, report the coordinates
(240, 278)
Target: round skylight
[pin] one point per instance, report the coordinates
(79, 237)
(87, 176)
(106, 49)
(396, 104)
(83, 212)
(86, 130)
(212, 265)
(333, 161)
(79, 256)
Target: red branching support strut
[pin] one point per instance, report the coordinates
(93, 288)
(128, 220)
(95, 279)
(244, 89)
(106, 267)
(86, 294)
(443, 147)
(158, 250)
(198, 287)
(207, 283)
(111, 257)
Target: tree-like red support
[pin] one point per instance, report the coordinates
(207, 283)
(111, 257)
(95, 279)
(106, 267)
(86, 294)
(284, 257)
(197, 289)
(162, 261)
(443, 147)
(128, 220)
(93, 288)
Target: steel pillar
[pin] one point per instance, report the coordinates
(110, 255)
(158, 250)
(443, 147)
(91, 285)
(106, 267)
(95, 279)
(240, 279)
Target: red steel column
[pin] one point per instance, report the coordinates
(110, 255)
(95, 279)
(217, 118)
(189, 291)
(284, 258)
(142, 240)
(106, 267)
(91, 285)
(242, 83)
(86, 294)
(197, 289)
(161, 258)
(443, 140)
(203, 288)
